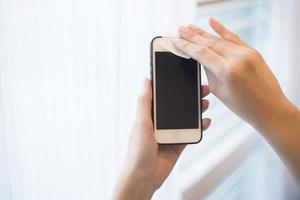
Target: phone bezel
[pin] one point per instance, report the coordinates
(173, 136)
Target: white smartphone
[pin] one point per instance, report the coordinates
(176, 105)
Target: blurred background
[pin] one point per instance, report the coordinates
(70, 72)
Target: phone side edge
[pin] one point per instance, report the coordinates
(151, 75)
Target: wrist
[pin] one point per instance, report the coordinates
(277, 118)
(133, 185)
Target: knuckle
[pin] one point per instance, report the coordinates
(250, 58)
(236, 68)
(233, 71)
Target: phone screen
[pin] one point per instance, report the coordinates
(176, 92)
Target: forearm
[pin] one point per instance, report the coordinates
(132, 186)
(282, 131)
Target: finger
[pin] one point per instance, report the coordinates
(202, 32)
(227, 49)
(204, 105)
(225, 33)
(204, 90)
(144, 102)
(222, 47)
(206, 123)
(210, 59)
(192, 36)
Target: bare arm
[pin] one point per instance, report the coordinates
(240, 78)
(282, 131)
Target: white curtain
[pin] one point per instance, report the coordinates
(69, 74)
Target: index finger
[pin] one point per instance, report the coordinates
(210, 59)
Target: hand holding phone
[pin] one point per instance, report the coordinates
(148, 164)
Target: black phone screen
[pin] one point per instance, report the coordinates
(176, 92)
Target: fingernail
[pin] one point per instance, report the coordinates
(179, 42)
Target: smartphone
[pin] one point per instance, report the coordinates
(176, 103)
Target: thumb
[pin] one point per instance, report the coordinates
(144, 102)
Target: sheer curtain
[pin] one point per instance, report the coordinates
(69, 74)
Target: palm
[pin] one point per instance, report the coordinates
(158, 160)
(167, 156)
